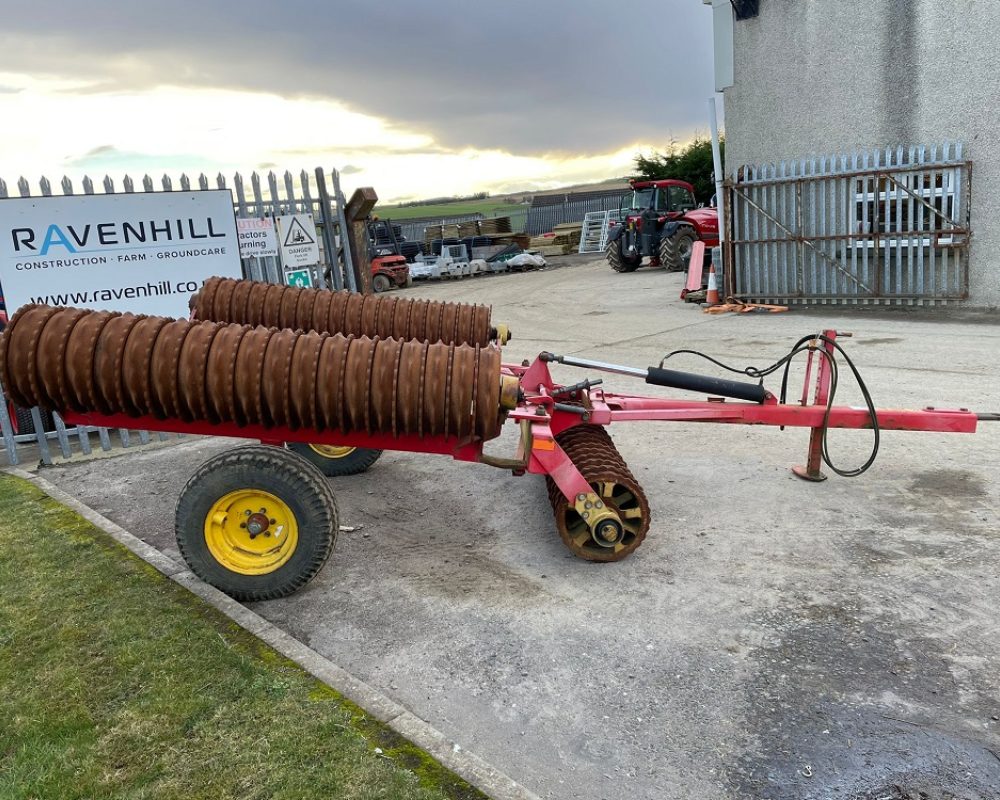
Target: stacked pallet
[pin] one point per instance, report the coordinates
(453, 230)
(494, 225)
(522, 240)
(572, 232)
(498, 226)
(564, 239)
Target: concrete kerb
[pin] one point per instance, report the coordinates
(468, 766)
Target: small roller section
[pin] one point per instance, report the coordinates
(72, 359)
(348, 313)
(594, 454)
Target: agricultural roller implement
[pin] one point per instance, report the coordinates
(339, 377)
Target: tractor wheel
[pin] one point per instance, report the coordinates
(256, 522)
(620, 262)
(381, 283)
(21, 417)
(23, 422)
(335, 461)
(675, 252)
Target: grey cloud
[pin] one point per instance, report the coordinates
(368, 150)
(102, 150)
(350, 169)
(105, 153)
(526, 77)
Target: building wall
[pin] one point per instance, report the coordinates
(818, 77)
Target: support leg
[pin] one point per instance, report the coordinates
(810, 471)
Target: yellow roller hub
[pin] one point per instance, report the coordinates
(332, 450)
(251, 532)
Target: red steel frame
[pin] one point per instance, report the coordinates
(538, 451)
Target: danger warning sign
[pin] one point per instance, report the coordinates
(297, 234)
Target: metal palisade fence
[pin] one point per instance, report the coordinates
(543, 218)
(37, 433)
(881, 226)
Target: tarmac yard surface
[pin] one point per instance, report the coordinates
(771, 638)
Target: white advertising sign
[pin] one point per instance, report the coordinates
(299, 247)
(145, 253)
(257, 237)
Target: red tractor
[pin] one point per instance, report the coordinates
(662, 221)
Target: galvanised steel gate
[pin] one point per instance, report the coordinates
(884, 226)
(44, 434)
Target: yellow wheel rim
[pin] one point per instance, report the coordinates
(251, 532)
(331, 450)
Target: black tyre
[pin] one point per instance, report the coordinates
(21, 417)
(381, 283)
(675, 252)
(24, 424)
(620, 262)
(335, 461)
(256, 522)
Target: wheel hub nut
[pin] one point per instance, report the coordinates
(257, 524)
(610, 532)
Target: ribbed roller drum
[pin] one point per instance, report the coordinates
(593, 453)
(348, 313)
(112, 363)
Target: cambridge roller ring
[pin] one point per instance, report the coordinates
(590, 448)
(111, 363)
(347, 313)
(325, 311)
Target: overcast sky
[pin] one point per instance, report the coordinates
(415, 99)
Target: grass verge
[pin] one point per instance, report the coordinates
(117, 683)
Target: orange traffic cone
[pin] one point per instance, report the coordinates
(712, 298)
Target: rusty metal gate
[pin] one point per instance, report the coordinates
(884, 226)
